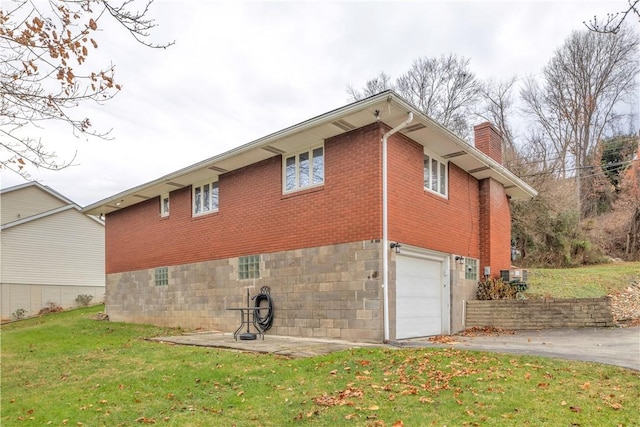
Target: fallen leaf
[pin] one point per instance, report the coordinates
(398, 423)
(374, 407)
(586, 386)
(527, 376)
(350, 416)
(575, 408)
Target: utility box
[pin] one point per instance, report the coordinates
(516, 277)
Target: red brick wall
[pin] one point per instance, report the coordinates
(424, 219)
(488, 140)
(254, 216)
(495, 227)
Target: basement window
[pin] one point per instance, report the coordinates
(205, 198)
(436, 175)
(303, 170)
(471, 269)
(162, 276)
(249, 267)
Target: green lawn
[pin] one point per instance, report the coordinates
(69, 369)
(584, 282)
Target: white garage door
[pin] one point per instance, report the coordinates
(419, 297)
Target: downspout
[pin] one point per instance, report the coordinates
(385, 224)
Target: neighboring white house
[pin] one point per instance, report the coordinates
(51, 252)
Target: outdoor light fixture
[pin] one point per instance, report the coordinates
(396, 246)
(460, 259)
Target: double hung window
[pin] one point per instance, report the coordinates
(435, 175)
(205, 198)
(303, 170)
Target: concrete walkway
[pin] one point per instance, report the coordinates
(274, 344)
(613, 346)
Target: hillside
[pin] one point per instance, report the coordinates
(620, 281)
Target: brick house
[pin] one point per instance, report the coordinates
(370, 222)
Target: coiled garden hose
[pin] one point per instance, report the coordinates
(264, 321)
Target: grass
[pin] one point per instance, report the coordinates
(69, 369)
(585, 282)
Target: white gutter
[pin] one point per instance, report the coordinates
(385, 224)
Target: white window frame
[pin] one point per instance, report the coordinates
(200, 206)
(298, 178)
(441, 176)
(164, 207)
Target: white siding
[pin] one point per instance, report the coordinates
(64, 249)
(26, 202)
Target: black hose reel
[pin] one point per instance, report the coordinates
(264, 316)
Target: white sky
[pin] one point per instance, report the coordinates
(242, 70)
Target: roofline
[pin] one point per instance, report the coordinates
(300, 127)
(389, 95)
(46, 214)
(472, 150)
(49, 190)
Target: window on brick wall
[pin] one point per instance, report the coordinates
(471, 269)
(205, 198)
(436, 175)
(303, 170)
(249, 267)
(164, 205)
(162, 276)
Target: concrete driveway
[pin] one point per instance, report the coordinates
(613, 346)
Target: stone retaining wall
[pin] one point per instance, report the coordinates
(540, 314)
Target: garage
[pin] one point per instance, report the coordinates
(422, 296)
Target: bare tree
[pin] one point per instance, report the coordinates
(614, 21)
(498, 107)
(443, 88)
(373, 86)
(44, 76)
(583, 83)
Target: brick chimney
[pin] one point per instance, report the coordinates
(488, 140)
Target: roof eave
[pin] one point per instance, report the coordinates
(516, 188)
